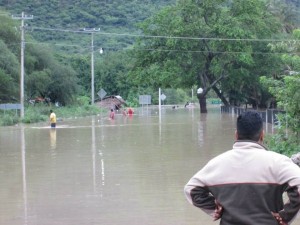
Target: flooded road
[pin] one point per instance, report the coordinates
(95, 171)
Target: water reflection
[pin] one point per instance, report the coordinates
(53, 138)
(23, 152)
(100, 153)
(100, 165)
(94, 153)
(135, 168)
(201, 129)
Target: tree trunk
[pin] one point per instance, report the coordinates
(202, 102)
(221, 96)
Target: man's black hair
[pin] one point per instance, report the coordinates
(249, 126)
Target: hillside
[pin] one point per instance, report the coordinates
(296, 3)
(115, 18)
(111, 16)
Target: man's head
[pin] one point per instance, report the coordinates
(249, 127)
(51, 111)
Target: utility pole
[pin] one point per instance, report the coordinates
(22, 18)
(92, 31)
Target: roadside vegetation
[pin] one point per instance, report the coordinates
(286, 89)
(82, 107)
(35, 114)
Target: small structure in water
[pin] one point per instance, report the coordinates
(111, 102)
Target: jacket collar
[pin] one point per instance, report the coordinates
(248, 144)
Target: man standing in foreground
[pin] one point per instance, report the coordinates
(244, 186)
(52, 119)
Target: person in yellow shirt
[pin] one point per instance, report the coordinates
(52, 119)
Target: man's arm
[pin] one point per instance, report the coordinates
(290, 174)
(278, 218)
(200, 197)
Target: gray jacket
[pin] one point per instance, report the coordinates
(248, 181)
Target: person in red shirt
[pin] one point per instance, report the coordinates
(130, 111)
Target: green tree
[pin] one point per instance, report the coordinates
(112, 70)
(9, 70)
(7, 88)
(9, 65)
(45, 76)
(63, 87)
(37, 83)
(175, 96)
(8, 32)
(48, 77)
(286, 90)
(208, 49)
(82, 65)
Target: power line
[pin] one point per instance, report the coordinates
(92, 31)
(215, 52)
(45, 43)
(163, 50)
(166, 37)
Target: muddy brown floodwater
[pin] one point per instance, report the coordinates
(96, 171)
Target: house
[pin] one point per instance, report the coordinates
(111, 102)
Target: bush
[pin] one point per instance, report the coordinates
(83, 100)
(285, 141)
(8, 119)
(286, 89)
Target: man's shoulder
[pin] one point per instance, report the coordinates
(224, 155)
(262, 153)
(276, 155)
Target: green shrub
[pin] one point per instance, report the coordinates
(285, 140)
(8, 120)
(83, 100)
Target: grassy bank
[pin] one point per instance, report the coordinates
(34, 114)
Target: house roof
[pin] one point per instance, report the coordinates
(113, 101)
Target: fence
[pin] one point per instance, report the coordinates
(269, 116)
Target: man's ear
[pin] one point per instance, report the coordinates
(236, 135)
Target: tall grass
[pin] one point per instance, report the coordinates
(8, 118)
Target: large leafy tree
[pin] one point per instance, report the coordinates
(45, 75)
(9, 65)
(82, 65)
(286, 89)
(8, 75)
(210, 43)
(48, 77)
(112, 73)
